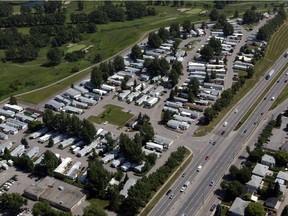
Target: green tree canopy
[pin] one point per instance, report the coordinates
(47, 165)
(54, 55)
(12, 202)
(94, 210)
(207, 52)
(136, 53)
(214, 15)
(154, 41)
(254, 209)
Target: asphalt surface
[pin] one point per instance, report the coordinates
(222, 154)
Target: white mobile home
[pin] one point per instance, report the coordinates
(13, 108)
(182, 118)
(173, 124)
(38, 133)
(141, 100)
(3, 136)
(78, 104)
(154, 146)
(166, 142)
(21, 125)
(67, 142)
(72, 93)
(174, 104)
(18, 151)
(73, 110)
(107, 158)
(151, 101)
(124, 94)
(108, 88)
(6, 145)
(73, 171)
(45, 138)
(76, 150)
(147, 89)
(117, 162)
(24, 118)
(55, 105)
(174, 110)
(8, 129)
(126, 166)
(62, 167)
(80, 89)
(63, 100)
(7, 113)
(90, 102)
(32, 152)
(132, 96)
(100, 91)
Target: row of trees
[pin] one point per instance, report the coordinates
(141, 192)
(69, 124)
(266, 133)
(226, 97)
(109, 12)
(266, 31)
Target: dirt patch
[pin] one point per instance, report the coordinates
(183, 9)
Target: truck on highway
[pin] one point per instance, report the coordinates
(186, 184)
(271, 72)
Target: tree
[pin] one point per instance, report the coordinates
(187, 26)
(194, 86)
(50, 143)
(54, 55)
(163, 34)
(281, 158)
(24, 142)
(12, 100)
(216, 45)
(254, 209)
(94, 210)
(167, 115)
(154, 41)
(25, 163)
(136, 53)
(98, 178)
(255, 155)
(131, 149)
(276, 190)
(285, 211)
(236, 14)
(34, 125)
(250, 72)
(96, 77)
(12, 202)
(80, 5)
(114, 198)
(44, 209)
(25, 10)
(207, 52)
(88, 131)
(214, 15)
(278, 120)
(234, 188)
(146, 131)
(175, 30)
(47, 165)
(228, 29)
(119, 63)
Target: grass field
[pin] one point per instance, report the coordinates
(281, 98)
(113, 115)
(108, 40)
(176, 174)
(277, 45)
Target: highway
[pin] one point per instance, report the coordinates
(221, 155)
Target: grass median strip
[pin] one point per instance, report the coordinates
(174, 176)
(253, 107)
(281, 98)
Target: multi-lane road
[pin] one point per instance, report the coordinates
(222, 153)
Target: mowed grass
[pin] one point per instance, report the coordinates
(175, 175)
(76, 48)
(281, 98)
(278, 41)
(113, 115)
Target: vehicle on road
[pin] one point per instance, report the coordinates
(278, 81)
(171, 196)
(199, 168)
(214, 143)
(262, 113)
(211, 141)
(285, 81)
(212, 183)
(225, 124)
(273, 98)
(271, 72)
(184, 174)
(213, 207)
(186, 184)
(168, 192)
(265, 98)
(207, 157)
(286, 55)
(222, 133)
(236, 111)
(245, 131)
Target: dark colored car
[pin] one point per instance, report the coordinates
(214, 143)
(223, 132)
(168, 192)
(213, 207)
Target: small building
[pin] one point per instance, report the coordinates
(144, 77)
(19, 124)
(63, 100)
(80, 105)
(123, 94)
(108, 88)
(139, 168)
(107, 158)
(72, 93)
(272, 202)
(14, 108)
(8, 129)
(182, 118)
(130, 182)
(115, 163)
(55, 105)
(157, 91)
(73, 110)
(3, 136)
(132, 96)
(126, 166)
(33, 152)
(261, 170)
(141, 100)
(173, 124)
(166, 142)
(89, 101)
(252, 185)
(24, 118)
(18, 151)
(67, 142)
(268, 160)
(173, 110)
(59, 194)
(282, 175)
(80, 89)
(7, 113)
(238, 207)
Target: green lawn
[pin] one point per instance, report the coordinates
(113, 115)
(281, 98)
(276, 46)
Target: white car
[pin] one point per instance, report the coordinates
(236, 111)
(183, 189)
(199, 168)
(225, 124)
(273, 98)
